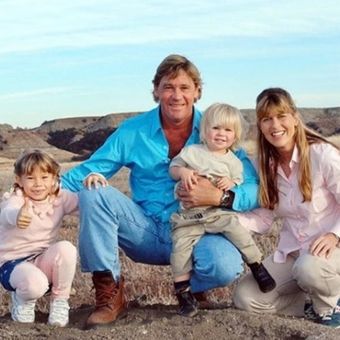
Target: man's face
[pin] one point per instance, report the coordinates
(177, 96)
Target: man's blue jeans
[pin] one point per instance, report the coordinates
(109, 219)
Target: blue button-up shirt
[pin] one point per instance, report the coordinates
(140, 145)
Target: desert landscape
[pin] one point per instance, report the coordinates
(151, 309)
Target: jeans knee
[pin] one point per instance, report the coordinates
(217, 259)
(225, 275)
(88, 197)
(93, 196)
(97, 206)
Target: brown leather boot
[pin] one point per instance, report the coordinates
(110, 300)
(203, 301)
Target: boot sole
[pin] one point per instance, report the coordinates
(120, 316)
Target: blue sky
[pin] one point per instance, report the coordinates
(93, 57)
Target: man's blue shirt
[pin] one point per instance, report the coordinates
(140, 145)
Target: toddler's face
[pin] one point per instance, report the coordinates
(37, 185)
(219, 139)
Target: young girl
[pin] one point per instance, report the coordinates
(31, 259)
(221, 130)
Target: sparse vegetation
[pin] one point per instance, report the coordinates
(90, 141)
(314, 126)
(85, 145)
(62, 138)
(3, 142)
(48, 122)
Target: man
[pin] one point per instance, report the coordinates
(140, 226)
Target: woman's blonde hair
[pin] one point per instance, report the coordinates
(278, 100)
(33, 158)
(220, 114)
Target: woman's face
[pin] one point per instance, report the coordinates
(279, 130)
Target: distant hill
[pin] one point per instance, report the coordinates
(83, 123)
(77, 137)
(14, 141)
(326, 121)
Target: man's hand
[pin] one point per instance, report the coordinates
(95, 180)
(202, 193)
(24, 217)
(324, 245)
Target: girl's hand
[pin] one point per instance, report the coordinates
(324, 245)
(95, 180)
(24, 217)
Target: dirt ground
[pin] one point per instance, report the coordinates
(152, 311)
(162, 322)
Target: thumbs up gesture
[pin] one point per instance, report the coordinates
(24, 217)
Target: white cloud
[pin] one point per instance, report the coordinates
(35, 93)
(34, 25)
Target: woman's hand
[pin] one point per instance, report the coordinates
(95, 180)
(324, 245)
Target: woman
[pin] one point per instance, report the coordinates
(300, 183)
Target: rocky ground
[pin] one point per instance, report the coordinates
(152, 311)
(162, 322)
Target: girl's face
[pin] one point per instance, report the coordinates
(279, 130)
(219, 139)
(37, 185)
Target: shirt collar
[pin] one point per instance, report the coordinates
(156, 125)
(197, 119)
(295, 156)
(294, 160)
